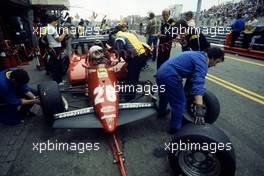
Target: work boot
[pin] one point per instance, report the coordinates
(163, 114)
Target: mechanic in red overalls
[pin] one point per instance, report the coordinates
(16, 97)
(192, 65)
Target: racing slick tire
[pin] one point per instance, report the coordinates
(214, 157)
(51, 100)
(212, 107)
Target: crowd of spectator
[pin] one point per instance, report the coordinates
(223, 14)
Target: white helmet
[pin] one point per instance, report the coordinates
(97, 54)
(95, 48)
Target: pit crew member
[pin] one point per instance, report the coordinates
(16, 97)
(192, 65)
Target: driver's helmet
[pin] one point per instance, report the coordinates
(97, 55)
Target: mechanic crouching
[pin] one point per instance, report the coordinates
(191, 65)
(16, 97)
(134, 52)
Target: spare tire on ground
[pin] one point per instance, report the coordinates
(202, 150)
(212, 106)
(51, 100)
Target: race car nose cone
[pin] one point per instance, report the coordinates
(109, 123)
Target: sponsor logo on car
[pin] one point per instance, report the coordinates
(108, 109)
(102, 73)
(74, 113)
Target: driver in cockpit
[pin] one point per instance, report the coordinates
(99, 56)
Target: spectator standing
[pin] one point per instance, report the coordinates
(81, 29)
(140, 28)
(151, 34)
(237, 27)
(249, 31)
(69, 26)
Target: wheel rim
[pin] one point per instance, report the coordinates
(189, 112)
(199, 163)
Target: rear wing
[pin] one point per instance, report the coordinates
(90, 39)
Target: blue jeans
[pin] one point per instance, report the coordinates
(174, 95)
(9, 114)
(153, 40)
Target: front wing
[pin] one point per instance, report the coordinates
(86, 118)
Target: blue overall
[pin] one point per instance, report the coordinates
(10, 99)
(190, 64)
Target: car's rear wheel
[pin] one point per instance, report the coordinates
(205, 151)
(51, 100)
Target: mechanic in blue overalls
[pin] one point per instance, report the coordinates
(191, 65)
(16, 97)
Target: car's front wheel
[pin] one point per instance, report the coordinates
(51, 100)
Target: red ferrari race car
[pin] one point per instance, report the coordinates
(100, 77)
